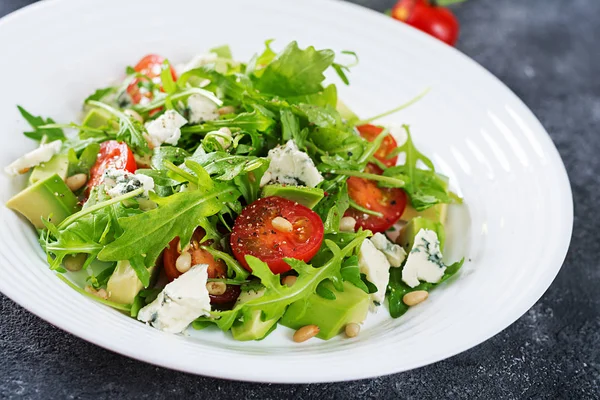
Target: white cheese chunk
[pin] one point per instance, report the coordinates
(118, 182)
(393, 252)
(180, 302)
(196, 62)
(35, 157)
(424, 261)
(165, 129)
(376, 267)
(202, 109)
(290, 166)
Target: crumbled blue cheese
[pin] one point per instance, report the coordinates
(201, 109)
(165, 129)
(374, 264)
(118, 182)
(196, 62)
(180, 302)
(424, 261)
(290, 166)
(35, 157)
(393, 252)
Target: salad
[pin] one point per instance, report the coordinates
(241, 195)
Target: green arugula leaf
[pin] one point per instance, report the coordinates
(223, 166)
(325, 117)
(324, 292)
(256, 120)
(331, 209)
(351, 273)
(145, 235)
(166, 78)
(397, 288)
(258, 62)
(83, 163)
(323, 98)
(99, 94)
(290, 126)
(50, 134)
(295, 72)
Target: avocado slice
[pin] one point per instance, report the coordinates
(407, 235)
(46, 197)
(331, 316)
(123, 285)
(98, 118)
(253, 328)
(59, 164)
(307, 196)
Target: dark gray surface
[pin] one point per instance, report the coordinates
(547, 52)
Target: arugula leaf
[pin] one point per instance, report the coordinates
(258, 63)
(351, 273)
(324, 292)
(50, 134)
(130, 130)
(223, 166)
(290, 126)
(145, 235)
(99, 94)
(331, 209)
(323, 98)
(166, 78)
(325, 117)
(424, 187)
(83, 163)
(295, 72)
(397, 288)
(256, 120)
(249, 183)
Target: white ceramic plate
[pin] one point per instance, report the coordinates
(514, 230)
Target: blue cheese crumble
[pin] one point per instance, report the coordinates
(118, 182)
(290, 166)
(180, 302)
(424, 261)
(374, 264)
(201, 109)
(34, 158)
(165, 129)
(393, 252)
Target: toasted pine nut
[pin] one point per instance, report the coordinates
(305, 333)
(289, 280)
(282, 224)
(216, 288)
(347, 224)
(184, 262)
(352, 329)
(414, 298)
(74, 263)
(134, 114)
(226, 110)
(98, 293)
(76, 182)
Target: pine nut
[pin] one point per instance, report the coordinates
(101, 293)
(305, 333)
(184, 262)
(289, 280)
(76, 182)
(226, 110)
(216, 288)
(75, 262)
(282, 224)
(352, 330)
(134, 114)
(347, 224)
(414, 298)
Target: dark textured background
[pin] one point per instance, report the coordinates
(547, 52)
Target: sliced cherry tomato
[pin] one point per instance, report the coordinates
(370, 132)
(216, 268)
(149, 66)
(115, 155)
(426, 16)
(366, 193)
(254, 234)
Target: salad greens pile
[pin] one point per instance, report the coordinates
(213, 170)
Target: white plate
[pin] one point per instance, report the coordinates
(514, 231)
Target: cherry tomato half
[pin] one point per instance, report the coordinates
(114, 155)
(370, 132)
(437, 21)
(149, 66)
(387, 201)
(254, 234)
(216, 268)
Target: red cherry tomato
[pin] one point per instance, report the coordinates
(366, 193)
(437, 21)
(370, 132)
(254, 234)
(114, 155)
(216, 268)
(149, 66)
